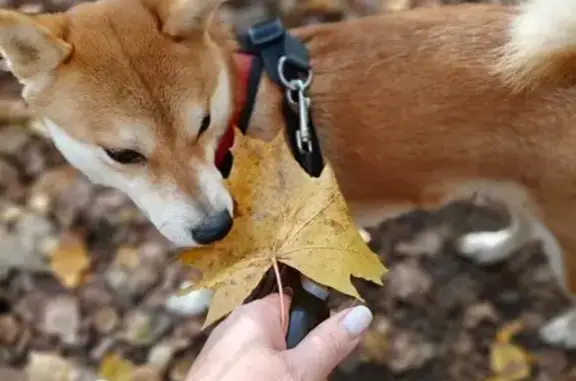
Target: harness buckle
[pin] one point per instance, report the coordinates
(301, 105)
(266, 32)
(286, 61)
(303, 136)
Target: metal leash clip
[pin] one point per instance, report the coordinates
(296, 93)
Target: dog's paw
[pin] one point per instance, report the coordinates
(561, 330)
(191, 304)
(485, 247)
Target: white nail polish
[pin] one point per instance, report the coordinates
(357, 320)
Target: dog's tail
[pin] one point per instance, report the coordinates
(541, 46)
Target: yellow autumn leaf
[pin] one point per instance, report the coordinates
(508, 331)
(283, 216)
(374, 347)
(115, 368)
(508, 361)
(70, 260)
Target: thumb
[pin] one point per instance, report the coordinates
(329, 344)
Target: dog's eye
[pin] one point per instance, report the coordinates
(125, 156)
(205, 124)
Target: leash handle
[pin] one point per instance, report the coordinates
(307, 310)
(308, 307)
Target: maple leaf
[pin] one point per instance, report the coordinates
(283, 216)
(508, 361)
(115, 368)
(14, 112)
(70, 261)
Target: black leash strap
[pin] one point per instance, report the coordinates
(286, 62)
(254, 76)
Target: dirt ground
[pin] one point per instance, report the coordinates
(437, 318)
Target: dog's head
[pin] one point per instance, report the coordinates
(136, 94)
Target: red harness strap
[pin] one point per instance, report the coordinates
(243, 62)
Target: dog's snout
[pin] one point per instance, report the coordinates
(213, 228)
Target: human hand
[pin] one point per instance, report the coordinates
(250, 345)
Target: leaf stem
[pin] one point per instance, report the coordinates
(280, 291)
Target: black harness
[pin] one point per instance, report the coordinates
(285, 60)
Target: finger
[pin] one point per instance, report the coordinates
(261, 321)
(267, 309)
(329, 344)
(257, 322)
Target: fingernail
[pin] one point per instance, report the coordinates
(357, 320)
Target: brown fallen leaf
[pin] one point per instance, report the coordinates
(14, 111)
(145, 373)
(508, 361)
(70, 261)
(55, 181)
(127, 257)
(115, 368)
(284, 216)
(374, 347)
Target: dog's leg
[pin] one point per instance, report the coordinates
(561, 330)
(558, 244)
(492, 247)
(489, 247)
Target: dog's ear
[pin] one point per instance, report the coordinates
(28, 46)
(183, 18)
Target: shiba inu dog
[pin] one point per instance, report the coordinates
(413, 109)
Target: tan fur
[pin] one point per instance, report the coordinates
(33, 48)
(413, 109)
(124, 70)
(540, 46)
(556, 68)
(423, 112)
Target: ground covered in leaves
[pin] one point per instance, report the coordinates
(84, 278)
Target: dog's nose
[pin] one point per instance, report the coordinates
(213, 228)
